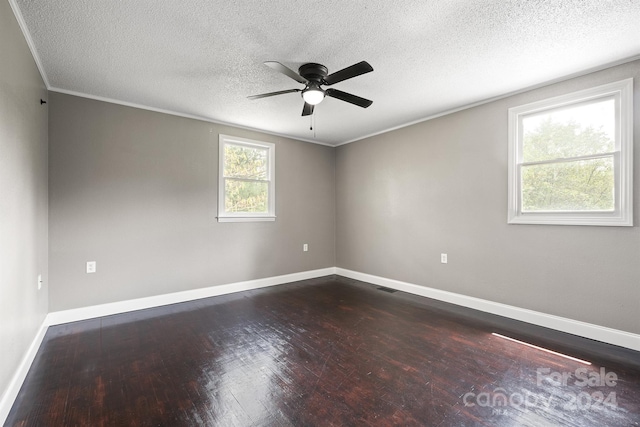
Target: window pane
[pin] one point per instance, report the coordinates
(578, 130)
(246, 196)
(245, 162)
(586, 185)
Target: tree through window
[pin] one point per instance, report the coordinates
(246, 189)
(570, 159)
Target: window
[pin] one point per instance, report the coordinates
(246, 190)
(570, 158)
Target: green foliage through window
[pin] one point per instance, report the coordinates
(586, 185)
(245, 162)
(551, 140)
(246, 179)
(572, 184)
(246, 196)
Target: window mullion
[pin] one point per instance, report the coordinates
(246, 179)
(570, 159)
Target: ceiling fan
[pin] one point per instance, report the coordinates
(314, 76)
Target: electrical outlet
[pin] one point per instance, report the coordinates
(443, 258)
(305, 247)
(39, 281)
(91, 267)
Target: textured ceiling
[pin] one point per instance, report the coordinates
(204, 57)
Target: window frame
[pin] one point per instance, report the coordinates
(622, 93)
(224, 216)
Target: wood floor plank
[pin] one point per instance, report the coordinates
(328, 351)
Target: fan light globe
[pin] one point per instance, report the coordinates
(313, 96)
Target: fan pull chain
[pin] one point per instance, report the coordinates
(312, 119)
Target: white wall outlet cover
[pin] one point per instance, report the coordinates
(443, 258)
(305, 247)
(91, 266)
(39, 281)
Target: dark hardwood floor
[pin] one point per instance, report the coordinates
(329, 351)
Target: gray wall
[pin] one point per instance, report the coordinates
(23, 196)
(136, 191)
(440, 186)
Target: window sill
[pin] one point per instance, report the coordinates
(568, 219)
(246, 218)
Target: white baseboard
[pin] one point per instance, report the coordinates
(91, 312)
(15, 384)
(575, 327)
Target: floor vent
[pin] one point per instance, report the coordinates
(382, 288)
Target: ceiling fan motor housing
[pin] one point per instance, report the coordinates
(313, 71)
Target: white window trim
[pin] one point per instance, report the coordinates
(622, 91)
(243, 216)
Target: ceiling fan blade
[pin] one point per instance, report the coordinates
(307, 110)
(286, 71)
(349, 72)
(264, 95)
(347, 97)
